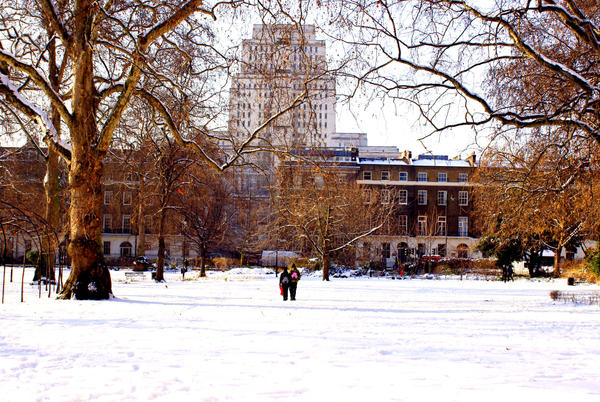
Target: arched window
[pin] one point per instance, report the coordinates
(462, 250)
(125, 248)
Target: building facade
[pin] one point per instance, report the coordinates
(284, 71)
(433, 208)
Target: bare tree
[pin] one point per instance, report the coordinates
(519, 64)
(206, 209)
(324, 210)
(117, 51)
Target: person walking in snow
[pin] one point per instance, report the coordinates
(295, 277)
(284, 283)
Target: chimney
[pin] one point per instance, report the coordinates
(471, 159)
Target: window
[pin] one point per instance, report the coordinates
(463, 226)
(441, 249)
(385, 196)
(126, 223)
(106, 247)
(403, 224)
(127, 198)
(107, 223)
(462, 250)
(385, 175)
(463, 198)
(367, 175)
(441, 226)
(422, 176)
(422, 226)
(386, 249)
(442, 176)
(403, 176)
(319, 182)
(125, 249)
(463, 177)
(367, 195)
(403, 197)
(107, 197)
(441, 197)
(422, 197)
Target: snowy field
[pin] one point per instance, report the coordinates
(230, 337)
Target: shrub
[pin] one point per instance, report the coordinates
(223, 263)
(32, 257)
(592, 260)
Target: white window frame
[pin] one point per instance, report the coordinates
(463, 198)
(402, 176)
(385, 196)
(403, 224)
(422, 176)
(463, 226)
(422, 225)
(385, 175)
(463, 177)
(403, 197)
(442, 197)
(367, 175)
(127, 198)
(107, 218)
(125, 217)
(422, 197)
(106, 243)
(442, 226)
(108, 197)
(442, 177)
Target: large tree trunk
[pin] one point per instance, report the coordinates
(51, 183)
(160, 263)
(325, 259)
(89, 278)
(557, 254)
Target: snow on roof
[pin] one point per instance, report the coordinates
(547, 253)
(382, 162)
(442, 163)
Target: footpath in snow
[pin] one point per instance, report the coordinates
(230, 337)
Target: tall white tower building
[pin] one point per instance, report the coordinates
(284, 74)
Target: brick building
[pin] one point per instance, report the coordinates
(433, 207)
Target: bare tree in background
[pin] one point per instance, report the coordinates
(325, 209)
(206, 209)
(117, 51)
(511, 64)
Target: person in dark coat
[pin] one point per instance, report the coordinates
(284, 282)
(295, 277)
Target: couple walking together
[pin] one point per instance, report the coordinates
(289, 281)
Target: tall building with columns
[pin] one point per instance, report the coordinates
(283, 75)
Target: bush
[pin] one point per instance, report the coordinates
(32, 257)
(592, 261)
(580, 271)
(222, 263)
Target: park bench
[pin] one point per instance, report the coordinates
(131, 275)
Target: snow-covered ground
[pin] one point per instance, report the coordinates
(231, 337)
